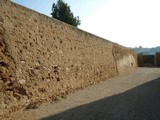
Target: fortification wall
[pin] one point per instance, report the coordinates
(42, 58)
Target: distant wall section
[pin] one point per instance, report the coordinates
(157, 59)
(148, 60)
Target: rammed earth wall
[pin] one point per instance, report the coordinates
(42, 58)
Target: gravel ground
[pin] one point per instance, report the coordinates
(135, 96)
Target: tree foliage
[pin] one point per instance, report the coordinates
(62, 12)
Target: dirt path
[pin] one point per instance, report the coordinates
(135, 96)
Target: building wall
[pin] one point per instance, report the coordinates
(42, 58)
(148, 60)
(157, 59)
(140, 60)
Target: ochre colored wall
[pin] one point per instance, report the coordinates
(42, 58)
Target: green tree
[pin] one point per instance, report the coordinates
(62, 12)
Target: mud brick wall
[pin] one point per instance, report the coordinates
(42, 58)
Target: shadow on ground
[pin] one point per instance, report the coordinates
(139, 103)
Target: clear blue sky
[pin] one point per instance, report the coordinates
(128, 22)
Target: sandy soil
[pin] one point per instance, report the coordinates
(134, 96)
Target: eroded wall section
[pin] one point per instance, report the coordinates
(48, 58)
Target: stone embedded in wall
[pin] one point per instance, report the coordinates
(126, 63)
(125, 60)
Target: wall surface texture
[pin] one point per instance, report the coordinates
(42, 58)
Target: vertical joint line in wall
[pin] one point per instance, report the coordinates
(114, 59)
